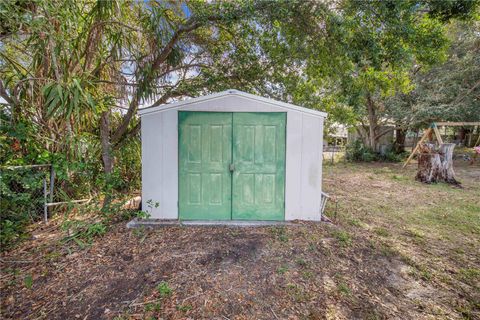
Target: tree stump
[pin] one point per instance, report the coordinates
(429, 164)
(447, 174)
(436, 165)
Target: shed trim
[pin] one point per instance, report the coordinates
(180, 104)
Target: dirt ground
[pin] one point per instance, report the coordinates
(397, 249)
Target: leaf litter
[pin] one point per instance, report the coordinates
(344, 270)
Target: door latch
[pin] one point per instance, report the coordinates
(231, 167)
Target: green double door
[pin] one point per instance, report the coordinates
(231, 166)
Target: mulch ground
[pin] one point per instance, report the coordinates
(306, 271)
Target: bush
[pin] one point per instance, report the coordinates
(78, 175)
(392, 156)
(356, 151)
(21, 202)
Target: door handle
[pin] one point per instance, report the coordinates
(231, 167)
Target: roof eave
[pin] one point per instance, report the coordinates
(177, 104)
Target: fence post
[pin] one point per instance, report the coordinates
(45, 209)
(333, 153)
(52, 182)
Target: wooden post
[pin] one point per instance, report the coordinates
(458, 124)
(437, 134)
(424, 136)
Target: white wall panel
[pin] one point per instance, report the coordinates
(152, 158)
(311, 168)
(293, 176)
(170, 165)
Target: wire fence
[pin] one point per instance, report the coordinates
(25, 191)
(333, 153)
(31, 191)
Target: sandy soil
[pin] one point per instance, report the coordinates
(397, 249)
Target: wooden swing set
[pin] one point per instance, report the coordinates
(434, 129)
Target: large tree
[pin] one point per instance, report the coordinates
(78, 69)
(449, 91)
(377, 48)
(72, 67)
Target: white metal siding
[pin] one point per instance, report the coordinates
(303, 177)
(311, 172)
(293, 167)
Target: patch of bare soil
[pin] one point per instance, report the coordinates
(307, 271)
(213, 273)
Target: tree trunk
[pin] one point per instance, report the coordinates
(106, 154)
(372, 123)
(436, 166)
(400, 141)
(461, 134)
(105, 141)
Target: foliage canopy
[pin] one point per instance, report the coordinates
(74, 73)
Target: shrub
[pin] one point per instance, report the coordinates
(78, 175)
(356, 151)
(392, 156)
(21, 202)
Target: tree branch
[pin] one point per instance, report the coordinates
(133, 132)
(191, 24)
(381, 134)
(459, 99)
(4, 94)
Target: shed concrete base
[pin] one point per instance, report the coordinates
(153, 223)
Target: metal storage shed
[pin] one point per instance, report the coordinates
(232, 156)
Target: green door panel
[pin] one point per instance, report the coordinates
(205, 185)
(258, 186)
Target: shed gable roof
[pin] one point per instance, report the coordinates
(230, 92)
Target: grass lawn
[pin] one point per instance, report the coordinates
(397, 249)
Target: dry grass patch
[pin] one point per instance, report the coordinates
(399, 249)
